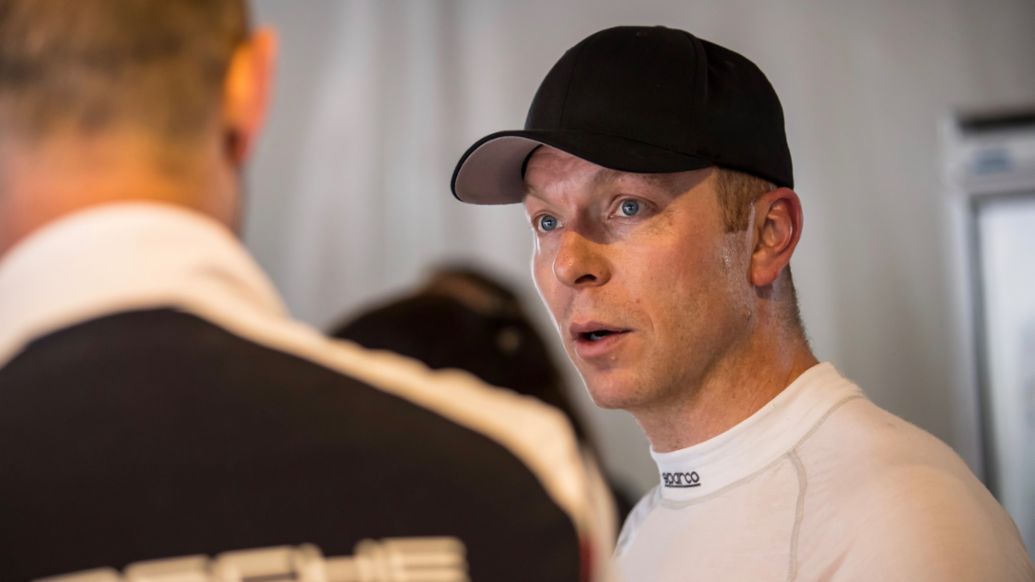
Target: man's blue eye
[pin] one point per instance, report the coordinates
(547, 223)
(630, 207)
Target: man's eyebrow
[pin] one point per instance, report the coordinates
(657, 179)
(606, 176)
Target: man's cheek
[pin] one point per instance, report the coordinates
(540, 282)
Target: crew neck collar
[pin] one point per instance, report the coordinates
(705, 468)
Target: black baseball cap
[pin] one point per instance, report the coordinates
(639, 99)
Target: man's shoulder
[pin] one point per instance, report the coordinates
(187, 352)
(867, 443)
(869, 460)
(901, 499)
(343, 443)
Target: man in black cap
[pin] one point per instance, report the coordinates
(156, 400)
(656, 176)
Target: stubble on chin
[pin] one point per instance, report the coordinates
(614, 389)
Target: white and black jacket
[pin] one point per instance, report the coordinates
(156, 401)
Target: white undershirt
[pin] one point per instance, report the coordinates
(820, 484)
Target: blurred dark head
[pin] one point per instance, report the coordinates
(465, 319)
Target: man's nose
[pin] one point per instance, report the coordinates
(581, 262)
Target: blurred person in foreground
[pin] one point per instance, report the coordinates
(464, 318)
(655, 173)
(155, 398)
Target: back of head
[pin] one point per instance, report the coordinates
(467, 320)
(126, 100)
(88, 66)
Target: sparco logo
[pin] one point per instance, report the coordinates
(691, 479)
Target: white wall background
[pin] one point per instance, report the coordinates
(377, 99)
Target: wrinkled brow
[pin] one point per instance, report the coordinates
(530, 191)
(664, 181)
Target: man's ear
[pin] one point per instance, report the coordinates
(778, 224)
(246, 92)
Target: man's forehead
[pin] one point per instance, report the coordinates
(549, 166)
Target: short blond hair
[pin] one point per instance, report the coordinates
(737, 191)
(89, 65)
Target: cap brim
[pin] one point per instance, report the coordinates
(490, 171)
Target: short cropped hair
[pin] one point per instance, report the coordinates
(737, 191)
(89, 65)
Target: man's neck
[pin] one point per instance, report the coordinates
(729, 393)
(45, 181)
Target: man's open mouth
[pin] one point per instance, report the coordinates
(597, 335)
(591, 333)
